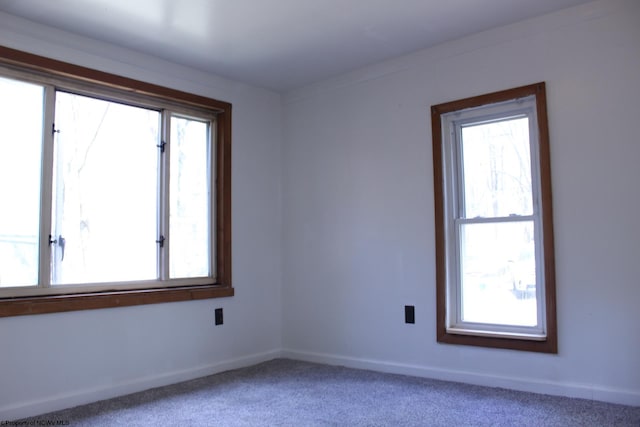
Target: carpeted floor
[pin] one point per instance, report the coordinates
(291, 393)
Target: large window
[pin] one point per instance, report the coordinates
(114, 192)
(495, 271)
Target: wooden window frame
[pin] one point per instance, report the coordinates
(16, 306)
(549, 344)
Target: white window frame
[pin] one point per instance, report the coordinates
(448, 120)
(56, 75)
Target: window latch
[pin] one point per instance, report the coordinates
(160, 241)
(61, 242)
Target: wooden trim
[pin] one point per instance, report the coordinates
(223, 189)
(547, 217)
(438, 194)
(222, 288)
(550, 344)
(88, 301)
(546, 346)
(490, 98)
(57, 68)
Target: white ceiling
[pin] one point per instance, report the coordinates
(278, 44)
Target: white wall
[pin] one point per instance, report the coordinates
(348, 198)
(358, 205)
(57, 360)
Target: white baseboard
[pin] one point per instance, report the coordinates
(555, 388)
(81, 397)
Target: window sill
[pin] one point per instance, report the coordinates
(20, 306)
(496, 334)
(510, 342)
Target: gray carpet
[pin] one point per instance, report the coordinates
(291, 393)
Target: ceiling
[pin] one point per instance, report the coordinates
(278, 44)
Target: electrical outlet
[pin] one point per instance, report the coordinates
(218, 315)
(409, 314)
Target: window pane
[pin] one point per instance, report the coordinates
(105, 191)
(21, 121)
(497, 169)
(498, 274)
(189, 199)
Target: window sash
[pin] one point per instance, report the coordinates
(456, 324)
(168, 158)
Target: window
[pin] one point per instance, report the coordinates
(494, 235)
(115, 192)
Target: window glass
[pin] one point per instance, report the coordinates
(498, 273)
(190, 187)
(497, 168)
(21, 118)
(105, 191)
